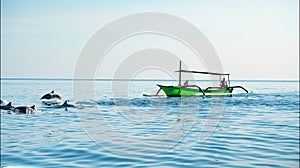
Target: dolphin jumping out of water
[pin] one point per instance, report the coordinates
(7, 107)
(51, 95)
(51, 99)
(25, 109)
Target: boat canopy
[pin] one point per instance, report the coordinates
(209, 73)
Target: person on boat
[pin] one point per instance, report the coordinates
(223, 83)
(186, 83)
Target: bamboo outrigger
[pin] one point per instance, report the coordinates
(194, 90)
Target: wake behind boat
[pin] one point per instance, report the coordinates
(194, 90)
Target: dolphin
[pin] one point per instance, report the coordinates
(25, 109)
(51, 99)
(7, 107)
(51, 95)
(65, 104)
(3, 102)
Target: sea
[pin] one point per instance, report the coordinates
(114, 125)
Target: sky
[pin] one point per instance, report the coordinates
(254, 39)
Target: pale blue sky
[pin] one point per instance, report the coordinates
(254, 39)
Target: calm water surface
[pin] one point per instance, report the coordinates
(120, 128)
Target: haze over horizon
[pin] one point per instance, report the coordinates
(254, 40)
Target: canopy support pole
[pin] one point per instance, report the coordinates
(179, 83)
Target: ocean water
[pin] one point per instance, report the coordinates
(113, 125)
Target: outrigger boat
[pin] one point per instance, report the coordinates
(194, 90)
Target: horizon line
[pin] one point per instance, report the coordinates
(110, 79)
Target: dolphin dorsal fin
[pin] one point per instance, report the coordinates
(9, 104)
(52, 91)
(33, 107)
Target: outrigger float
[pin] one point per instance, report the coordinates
(194, 90)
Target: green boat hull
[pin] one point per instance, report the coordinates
(193, 90)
